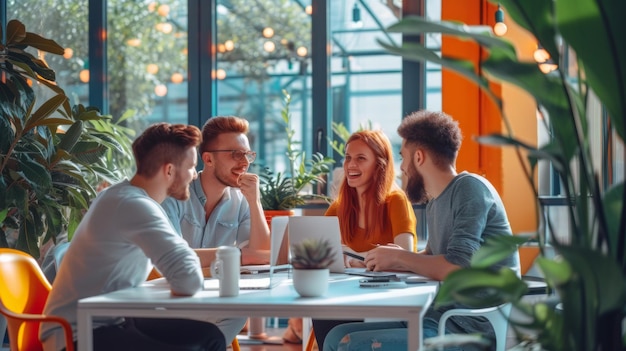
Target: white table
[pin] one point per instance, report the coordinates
(344, 299)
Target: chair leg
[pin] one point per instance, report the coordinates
(311, 342)
(235, 345)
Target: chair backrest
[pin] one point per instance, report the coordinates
(498, 316)
(23, 290)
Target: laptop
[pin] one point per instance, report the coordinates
(318, 227)
(256, 277)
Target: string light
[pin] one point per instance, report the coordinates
(160, 90)
(500, 28)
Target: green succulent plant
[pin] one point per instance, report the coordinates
(312, 254)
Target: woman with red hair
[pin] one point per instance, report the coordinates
(372, 209)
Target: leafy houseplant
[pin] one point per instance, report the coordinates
(52, 157)
(311, 260)
(284, 191)
(589, 276)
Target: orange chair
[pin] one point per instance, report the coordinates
(23, 293)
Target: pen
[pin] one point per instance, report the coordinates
(353, 255)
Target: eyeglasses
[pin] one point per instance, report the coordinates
(238, 155)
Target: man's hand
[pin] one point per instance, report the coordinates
(384, 258)
(249, 185)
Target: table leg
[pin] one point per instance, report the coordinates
(414, 328)
(84, 330)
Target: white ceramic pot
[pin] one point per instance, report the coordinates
(311, 282)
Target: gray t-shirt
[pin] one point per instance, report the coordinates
(121, 235)
(459, 220)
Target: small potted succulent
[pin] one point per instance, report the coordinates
(311, 260)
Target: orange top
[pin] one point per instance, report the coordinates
(400, 219)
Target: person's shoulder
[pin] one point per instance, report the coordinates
(471, 182)
(397, 195)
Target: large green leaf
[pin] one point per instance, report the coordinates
(496, 249)
(481, 34)
(16, 32)
(536, 16)
(480, 287)
(42, 43)
(46, 109)
(71, 136)
(613, 210)
(35, 173)
(596, 30)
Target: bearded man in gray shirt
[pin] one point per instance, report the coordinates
(463, 210)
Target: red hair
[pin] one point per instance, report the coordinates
(374, 197)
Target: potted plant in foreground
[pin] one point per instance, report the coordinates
(590, 275)
(311, 260)
(283, 192)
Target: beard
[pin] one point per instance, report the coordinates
(179, 190)
(226, 178)
(415, 190)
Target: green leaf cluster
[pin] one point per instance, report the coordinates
(283, 191)
(589, 275)
(312, 254)
(52, 157)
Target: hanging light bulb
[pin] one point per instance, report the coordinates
(269, 46)
(68, 53)
(302, 51)
(160, 90)
(268, 32)
(177, 78)
(356, 15)
(83, 75)
(541, 55)
(548, 66)
(499, 28)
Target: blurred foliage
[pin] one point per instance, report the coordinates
(589, 274)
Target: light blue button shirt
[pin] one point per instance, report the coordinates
(229, 223)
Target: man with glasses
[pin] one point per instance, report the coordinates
(225, 203)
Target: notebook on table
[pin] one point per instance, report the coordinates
(318, 227)
(256, 277)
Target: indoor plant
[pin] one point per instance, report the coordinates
(311, 260)
(589, 276)
(284, 191)
(52, 156)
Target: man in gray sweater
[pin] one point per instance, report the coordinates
(462, 211)
(122, 235)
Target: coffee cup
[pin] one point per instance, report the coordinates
(226, 268)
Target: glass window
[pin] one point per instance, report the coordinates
(71, 68)
(147, 60)
(263, 47)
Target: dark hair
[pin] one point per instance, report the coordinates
(220, 125)
(437, 132)
(375, 195)
(163, 143)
